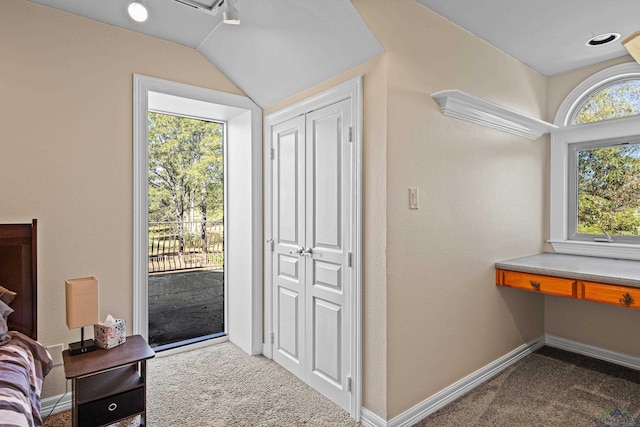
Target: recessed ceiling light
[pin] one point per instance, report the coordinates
(602, 39)
(138, 12)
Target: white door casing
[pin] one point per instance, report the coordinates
(314, 227)
(243, 301)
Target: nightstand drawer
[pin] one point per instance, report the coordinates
(112, 408)
(537, 283)
(625, 296)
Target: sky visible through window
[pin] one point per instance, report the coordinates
(619, 99)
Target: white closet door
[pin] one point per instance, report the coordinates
(289, 238)
(312, 215)
(328, 222)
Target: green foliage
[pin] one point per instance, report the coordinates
(186, 177)
(609, 190)
(622, 99)
(609, 178)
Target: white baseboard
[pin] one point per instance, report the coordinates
(55, 404)
(60, 403)
(591, 351)
(446, 396)
(369, 419)
(449, 394)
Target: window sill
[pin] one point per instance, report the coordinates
(595, 249)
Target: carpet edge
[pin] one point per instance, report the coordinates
(461, 387)
(592, 351)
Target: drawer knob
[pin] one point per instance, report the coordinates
(112, 407)
(626, 299)
(535, 285)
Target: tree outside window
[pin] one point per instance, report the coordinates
(186, 192)
(608, 181)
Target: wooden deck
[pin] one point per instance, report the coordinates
(184, 305)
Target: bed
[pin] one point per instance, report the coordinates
(23, 361)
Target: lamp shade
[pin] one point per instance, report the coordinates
(632, 44)
(82, 302)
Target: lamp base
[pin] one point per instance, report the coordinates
(82, 347)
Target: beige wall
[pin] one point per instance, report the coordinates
(482, 199)
(600, 325)
(432, 313)
(66, 148)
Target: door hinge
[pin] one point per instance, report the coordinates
(271, 244)
(273, 153)
(350, 260)
(272, 338)
(350, 134)
(348, 383)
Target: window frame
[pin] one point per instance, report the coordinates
(564, 140)
(572, 214)
(573, 116)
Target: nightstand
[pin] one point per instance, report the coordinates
(109, 385)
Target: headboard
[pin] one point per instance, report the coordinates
(18, 273)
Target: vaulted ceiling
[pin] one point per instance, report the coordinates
(284, 46)
(547, 35)
(280, 48)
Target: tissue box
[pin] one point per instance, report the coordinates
(109, 336)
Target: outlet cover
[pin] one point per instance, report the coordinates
(56, 353)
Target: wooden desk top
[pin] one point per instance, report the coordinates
(578, 267)
(134, 349)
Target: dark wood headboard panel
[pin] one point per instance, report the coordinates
(18, 273)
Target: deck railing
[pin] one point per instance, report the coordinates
(185, 245)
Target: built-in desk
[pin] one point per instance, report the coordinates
(604, 280)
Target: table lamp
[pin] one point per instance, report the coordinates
(82, 310)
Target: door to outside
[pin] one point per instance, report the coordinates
(185, 229)
(312, 216)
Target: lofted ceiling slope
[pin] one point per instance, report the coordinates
(547, 35)
(280, 48)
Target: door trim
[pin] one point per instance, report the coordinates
(246, 333)
(350, 89)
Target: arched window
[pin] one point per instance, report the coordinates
(595, 166)
(620, 98)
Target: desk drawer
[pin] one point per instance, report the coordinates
(625, 296)
(537, 283)
(109, 409)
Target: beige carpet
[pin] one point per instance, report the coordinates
(550, 388)
(221, 386)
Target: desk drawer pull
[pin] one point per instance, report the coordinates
(626, 299)
(112, 407)
(535, 285)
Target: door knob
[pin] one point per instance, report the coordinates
(307, 252)
(299, 251)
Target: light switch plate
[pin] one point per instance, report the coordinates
(413, 198)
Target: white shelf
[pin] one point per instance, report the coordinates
(461, 105)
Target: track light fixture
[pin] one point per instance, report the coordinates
(230, 13)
